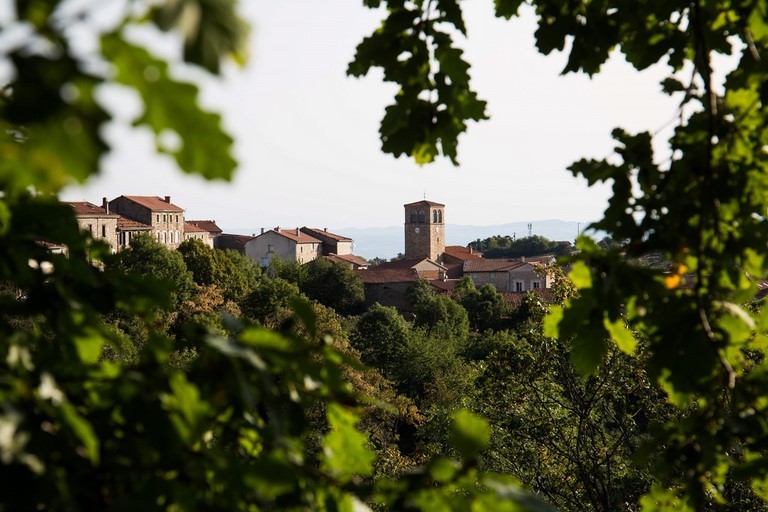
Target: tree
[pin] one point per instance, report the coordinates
(152, 260)
(230, 271)
(703, 207)
(334, 285)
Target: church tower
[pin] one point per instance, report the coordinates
(425, 230)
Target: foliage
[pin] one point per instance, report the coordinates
(229, 270)
(414, 48)
(153, 260)
(486, 307)
(334, 285)
(508, 247)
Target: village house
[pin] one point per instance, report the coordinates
(507, 275)
(285, 244)
(209, 226)
(165, 219)
(99, 222)
(332, 243)
(198, 233)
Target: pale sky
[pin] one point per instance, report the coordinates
(307, 136)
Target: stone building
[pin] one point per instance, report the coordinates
(332, 243)
(99, 222)
(165, 219)
(193, 231)
(507, 275)
(286, 244)
(425, 230)
(209, 226)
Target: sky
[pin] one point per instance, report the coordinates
(306, 135)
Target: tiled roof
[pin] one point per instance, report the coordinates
(193, 228)
(410, 263)
(491, 265)
(126, 224)
(349, 258)
(325, 232)
(462, 253)
(236, 242)
(444, 285)
(155, 203)
(84, 208)
(391, 275)
(301, 238)
(206, 225)
(425, 203)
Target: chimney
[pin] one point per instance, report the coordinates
(262, 232)
(168, 199)
(325, 229)
(471, 251)
(105, 204)
(277, 229)
(297, 231)
(522, 258)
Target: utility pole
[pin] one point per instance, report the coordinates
(530, 229)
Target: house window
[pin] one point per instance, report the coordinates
(177, 218)
(158, 217)
(90, 228)
(491, 275)
(104, 231)
(270, 249)
(165, 218)
(536, 285)
(264, 261)
(518, 286)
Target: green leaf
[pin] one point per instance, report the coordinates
(469, 433)
(89, 347)
(171, 106)
(620, 334)
(663, 500)
(345, 454)
(552, 322)
(82, 429)
(581, 275)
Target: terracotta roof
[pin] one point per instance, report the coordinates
(349, 258)
(236, 242)
(404, 264)
(425, 203)
(126, 224)
(325, 232)
(444, 285)
(301, 238)
(155, 203)
(206, 225)
(193, 228)
(394, 275)
(84, 208)
(462, 253)
(491, 265)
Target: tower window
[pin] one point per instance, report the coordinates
(434, 215)
(421, 217)
(440, 216)
(414, 217)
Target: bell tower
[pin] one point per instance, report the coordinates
(425, 230)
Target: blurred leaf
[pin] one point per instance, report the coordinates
(469, 433)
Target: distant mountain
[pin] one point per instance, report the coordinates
(388, 241)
